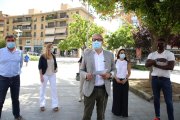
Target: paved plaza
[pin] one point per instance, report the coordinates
(68, 93)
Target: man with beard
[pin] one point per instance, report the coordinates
(162, 62)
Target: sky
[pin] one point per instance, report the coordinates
(19, 7)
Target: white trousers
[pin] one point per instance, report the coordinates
(54, 97)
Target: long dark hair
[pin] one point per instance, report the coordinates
(117, 56)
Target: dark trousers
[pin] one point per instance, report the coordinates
(163, 83)
(100, 97)
(120, 99)
(14, 84)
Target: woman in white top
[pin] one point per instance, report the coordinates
(47, 70)
(121, 85)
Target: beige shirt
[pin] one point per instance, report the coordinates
(50, 68)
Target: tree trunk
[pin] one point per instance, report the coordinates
(153, 48)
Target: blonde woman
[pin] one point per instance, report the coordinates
(47, 70)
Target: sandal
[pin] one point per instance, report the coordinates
(42, 109)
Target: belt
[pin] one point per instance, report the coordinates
(100, 87)
(2, 77)
(121, 78)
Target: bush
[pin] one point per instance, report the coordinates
(2, 43)
(33, 58)
(139, 67)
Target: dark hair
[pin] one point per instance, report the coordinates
(161, 40)
(10, 36)
(117, 56)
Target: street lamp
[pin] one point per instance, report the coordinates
(19, 33)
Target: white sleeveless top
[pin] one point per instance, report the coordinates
(121, 67)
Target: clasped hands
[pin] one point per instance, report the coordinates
(89, 76)
(153, 62)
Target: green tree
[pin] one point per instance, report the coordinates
(121, 38)
(162, 17)
(77, 37)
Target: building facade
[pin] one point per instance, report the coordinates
(36, 29)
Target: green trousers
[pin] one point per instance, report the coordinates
(98, 96)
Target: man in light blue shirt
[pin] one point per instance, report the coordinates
(11, 61)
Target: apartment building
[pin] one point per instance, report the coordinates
(36, 29)
(2, 18)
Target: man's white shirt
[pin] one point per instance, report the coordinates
(169, 56)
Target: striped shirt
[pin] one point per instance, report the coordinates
(10, 62)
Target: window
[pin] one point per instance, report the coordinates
(42, 27)
(20, 41)
(51, 24)
(42, 18)
(34, 34)
(35, 27)
(63, 15)
(28, 42)
(63, 23)
(41, 34)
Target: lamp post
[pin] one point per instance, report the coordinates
(87, 35)
(19, 33)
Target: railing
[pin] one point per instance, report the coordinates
(15, 21)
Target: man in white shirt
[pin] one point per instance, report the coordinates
(162, 62)
(97, 67)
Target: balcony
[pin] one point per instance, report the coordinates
(26, 35)
(26, 28)
(17, 20)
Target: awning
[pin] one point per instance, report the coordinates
(24, 24)
(60, 30)
(49, 30)
(60, 37)
(49, 39)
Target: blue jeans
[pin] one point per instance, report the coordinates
(163, 83)
(14, 84)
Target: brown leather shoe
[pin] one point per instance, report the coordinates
(55, 109)
(42, 109)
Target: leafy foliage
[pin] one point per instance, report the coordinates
(122, 37)
(106, 7)
(174, 40)
(77, 37)
(2, 42)
(162, 17)
(142, 38)
(139, 67)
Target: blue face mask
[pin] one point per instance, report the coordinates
(96, 44)
(122, 56)
(11, 45)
